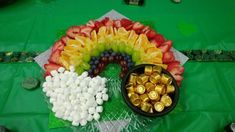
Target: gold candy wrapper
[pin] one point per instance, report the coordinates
(159, 106)
(149, 86)
(135, 99)
(152, 80)
(166, 79)
(145, 106)
(166, 100)
(144, 97)
(151, 110)
(140, 89)
(130, 94)
(157, 69)
(156, 76)
(144, 78)
(139, 80)
(153, 95)
(133, 78)
(148, 70)
(170, 89)
(160, 89)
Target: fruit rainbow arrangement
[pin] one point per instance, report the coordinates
(92, 46)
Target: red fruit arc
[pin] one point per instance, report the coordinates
(51, 66)
(168, 57)
(125, 22)
(72, 31)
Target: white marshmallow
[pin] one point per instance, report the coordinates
(75, 123)
(71, 68)
(61, 69)
(83, 122)
(105, 97)
(96, 116)
(98, 96)
(48, 78)
(91, 110)
(99, 101)
(105, 90)
(90, 117)
(54, 73)
(99, 109)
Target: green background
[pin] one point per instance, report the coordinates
(207, 94)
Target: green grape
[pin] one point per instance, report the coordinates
(101, 47)
(121, 47)
(115, 47)
(86, 57)
(79, 70)
(95, 52)
(135, 56)
(85, 66)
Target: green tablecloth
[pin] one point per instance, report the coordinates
(207, 94)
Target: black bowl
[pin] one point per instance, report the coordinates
(140, 69)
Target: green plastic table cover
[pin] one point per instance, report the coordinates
(207, 94)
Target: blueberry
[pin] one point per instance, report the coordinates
(113, 54)
(96, 62)
(93, 67)
(107, 55)
(91, 62)
(90, 72)
(93, 58)
(102, 54)
(110, 51)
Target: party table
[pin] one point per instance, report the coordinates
(207, 93)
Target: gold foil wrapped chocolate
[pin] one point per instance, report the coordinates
(144, 97)
(144, 78)
(153, 95)
(139, 80)
(149, 86)
(145, 106)
(140, 89)
(157, 69)
(160, 89)
(165, 79)
(170, 89)
(148, 70)
(133, 78)
(135, 99)
(159, 106)
(166, 100)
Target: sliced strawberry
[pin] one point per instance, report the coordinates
(86, 30)
(51, 66)
(156, 43)
(105, 20)
(72, 31)
(64, 39)
(117, 23)
(47, 73)
(55, 56)
(109, 23)
(165, 47)
(129, 27)
(168, 42)
(145, 29)
(58, 46)
(168, 57)
(125, 22)
(98, 25)
(138, 27)
(177, 70)
(159, 39)
(91, 23)
(151, 34)
(172, 65)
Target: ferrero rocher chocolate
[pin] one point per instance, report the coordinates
(159, 106)
(140, 89)
(153, 95)
(144, 97)
(145, 106)
(149, 90)
(157, 69)
(170, 89)
(148, 70)
(166, 100)
(166, 79)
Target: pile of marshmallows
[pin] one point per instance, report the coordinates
(75, 98)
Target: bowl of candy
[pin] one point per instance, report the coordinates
(150, 90)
